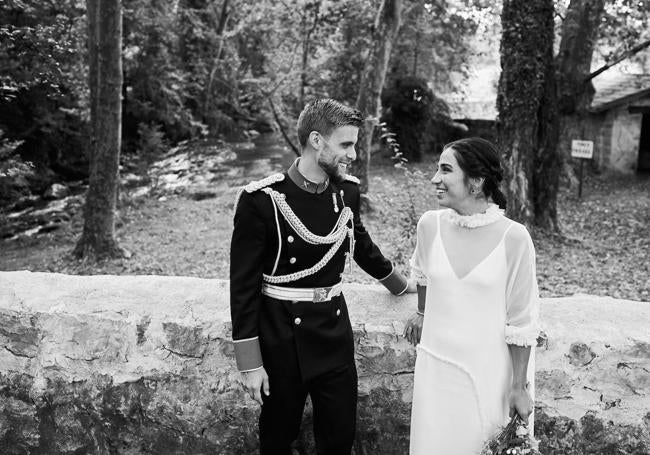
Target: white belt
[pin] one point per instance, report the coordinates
(302, 294)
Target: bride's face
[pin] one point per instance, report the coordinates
(451, 185)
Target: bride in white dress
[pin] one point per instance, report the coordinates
(477, 312)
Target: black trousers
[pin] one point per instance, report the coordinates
(334, 399)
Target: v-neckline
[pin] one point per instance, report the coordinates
(478, 264)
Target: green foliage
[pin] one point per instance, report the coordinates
(413, 178)
(157, 82)
(151, 141)
(348, 47)
(434, 41)
(39, 44)
(43, 101)
(13, 170)
(204, 67)
(420, 119)
(625, 24)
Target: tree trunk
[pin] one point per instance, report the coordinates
(526, 101)
(105, 45)
(308, 29)
(573, 62)
(387, 23)
(216, 62)
(93, 73)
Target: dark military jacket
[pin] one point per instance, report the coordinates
(267, 330)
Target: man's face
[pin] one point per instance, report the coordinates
(337, 152)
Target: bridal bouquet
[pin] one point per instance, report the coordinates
(511, 440)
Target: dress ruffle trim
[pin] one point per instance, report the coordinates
(491, 215)
(419, 277)
(522, 336)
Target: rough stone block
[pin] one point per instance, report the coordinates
(145, 365)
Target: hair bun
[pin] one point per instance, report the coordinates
(498, 174)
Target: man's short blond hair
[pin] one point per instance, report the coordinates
(324, 116)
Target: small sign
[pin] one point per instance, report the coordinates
(582, 149)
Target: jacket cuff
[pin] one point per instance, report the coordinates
(248, 354)
(395, 282)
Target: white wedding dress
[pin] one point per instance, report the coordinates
(481, 296)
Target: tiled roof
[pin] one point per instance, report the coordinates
(618, 88)
(612, 88)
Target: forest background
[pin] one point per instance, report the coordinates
(197, 72)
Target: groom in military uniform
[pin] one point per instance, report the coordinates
(293, 235)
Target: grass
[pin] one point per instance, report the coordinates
(602, 250)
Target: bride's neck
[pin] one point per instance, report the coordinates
(471, 207)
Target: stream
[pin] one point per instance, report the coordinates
(197, 170)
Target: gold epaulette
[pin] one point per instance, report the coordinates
(257, 185)
(351, 178)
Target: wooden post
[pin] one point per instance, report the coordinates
(582, 166)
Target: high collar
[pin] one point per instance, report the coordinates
(491, 215)
(303, 183)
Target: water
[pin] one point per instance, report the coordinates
(216, 166)
(207, 169)
(268, 154)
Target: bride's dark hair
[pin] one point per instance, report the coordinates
(480, 158)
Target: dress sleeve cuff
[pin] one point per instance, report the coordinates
(419, 277)
(522, 336)
(248, 354)
(395, 282)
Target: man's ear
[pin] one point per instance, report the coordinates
(315, 140)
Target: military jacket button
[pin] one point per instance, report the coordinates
(292, 260)
(338, 312)
(290, 239)
(297, 321)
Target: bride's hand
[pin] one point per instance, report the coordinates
(521, 402)
(413, 329)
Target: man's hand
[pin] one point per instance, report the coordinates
(255, 382)
(413, 329)
(521, 402)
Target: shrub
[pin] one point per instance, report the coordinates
(419, 119)
(13, 171)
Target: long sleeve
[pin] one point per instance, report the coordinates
(246, 268)
(522, 295)
(417, 262)
(369, 256)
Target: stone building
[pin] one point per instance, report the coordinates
(618, 122)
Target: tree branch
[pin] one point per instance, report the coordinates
(282, 129)
(635, 50)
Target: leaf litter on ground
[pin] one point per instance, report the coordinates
(602, 248)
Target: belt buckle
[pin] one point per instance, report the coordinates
(320, 295)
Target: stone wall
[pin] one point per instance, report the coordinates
(144, 365)
(626, 134)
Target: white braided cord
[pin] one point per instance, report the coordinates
(275, 279)
(277, 225)
(336, 237)
(304, 233)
